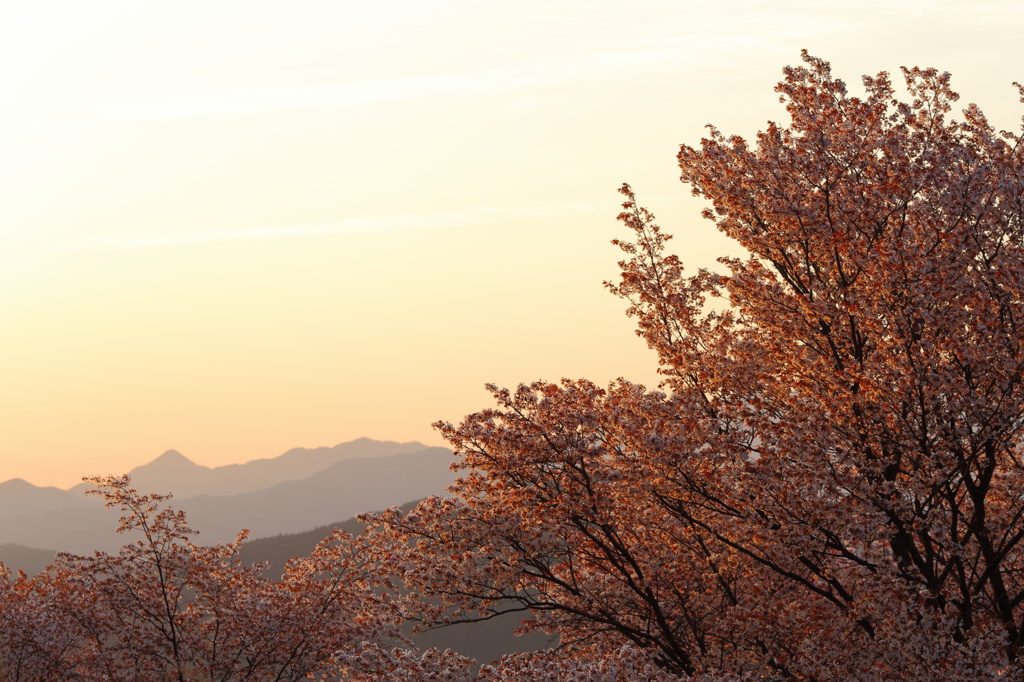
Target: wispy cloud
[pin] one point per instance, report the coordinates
(322, 95)
(318, 95)
(475, 215)
(21, 118)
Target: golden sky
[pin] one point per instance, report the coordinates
(235, 227)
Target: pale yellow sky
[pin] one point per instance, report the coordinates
(232, 228)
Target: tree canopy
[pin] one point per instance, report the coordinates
(829, 483)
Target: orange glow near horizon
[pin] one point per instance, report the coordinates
(231, 230)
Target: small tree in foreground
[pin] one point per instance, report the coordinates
(831, 485)
(164, 608)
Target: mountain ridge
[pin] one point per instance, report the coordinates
(175, 473)
(17, 494)
(317, 487)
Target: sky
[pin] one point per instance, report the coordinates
(236, 227)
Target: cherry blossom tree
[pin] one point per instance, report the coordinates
(828, 484)
(164, 608)
(35, 641)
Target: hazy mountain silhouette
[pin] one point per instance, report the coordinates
(32, 561)
(339, 489)
(18, 495)
(278, 549)
(78, 530)
(173, 472)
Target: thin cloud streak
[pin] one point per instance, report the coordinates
(468, 216)
(320, 95)
(329, 95)
(18, 120)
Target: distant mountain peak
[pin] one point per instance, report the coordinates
(172, 456)
(172, 459)
(176, 473)
(17, 483)
(20, 485)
